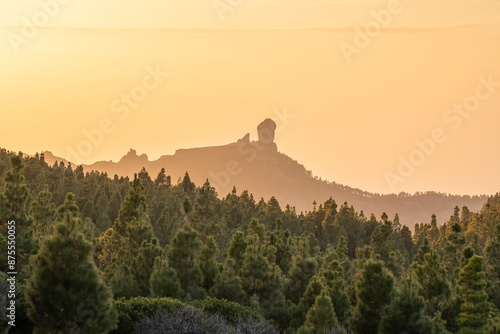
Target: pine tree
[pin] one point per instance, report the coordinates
(162, 181)
(106, 252)
(382, 241)
(272, 297)
(327, 234)
(476, 228)
(283, 251)
(122, 243)
(321, 317)
(163, 280)
(65, 292)
(167, 226)
(142, 266)
(434, 231)
(341, 255)
(42, 209)
(228, 285)
(260, 276)
(492, 259)
(204, 209)
(475, 308)
(369, 226)
(434, 286)
(123, 283)
(405, 314)
(13, 208)
(374, 288)
(133, 221)
(236, 249)
(188, 209)
(134, 205)
(68, 183)
(182, 257)
(422, 250)
(407, 241)
(207, 262)
(313, 290)
(341, 250)
(453, 247)
(114, 206)
(303, 269)
(143, 175)
(333, 276)
(102, 207)
(255, 270)
(188, 186)
(349, 220)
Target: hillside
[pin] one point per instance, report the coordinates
(259, 167)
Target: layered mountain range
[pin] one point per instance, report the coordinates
(258, 166)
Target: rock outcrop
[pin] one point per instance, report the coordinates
(266, 131)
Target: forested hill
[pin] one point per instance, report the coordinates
(258, 166)
(145, 254)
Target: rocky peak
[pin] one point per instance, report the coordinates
(266, 131)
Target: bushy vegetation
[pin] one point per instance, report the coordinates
(100, 254)
(190, 320)
(133, 310)
(232, 312)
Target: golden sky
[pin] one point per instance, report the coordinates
(352, 119)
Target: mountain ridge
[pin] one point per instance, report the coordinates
(258, 166)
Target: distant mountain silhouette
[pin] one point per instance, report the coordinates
(258, 167)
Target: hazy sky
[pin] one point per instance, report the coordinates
(353, 118)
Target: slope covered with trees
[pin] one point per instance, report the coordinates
(142, 253)
(260, 168)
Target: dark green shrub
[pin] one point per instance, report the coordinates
(231, 311)
(133, 310)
